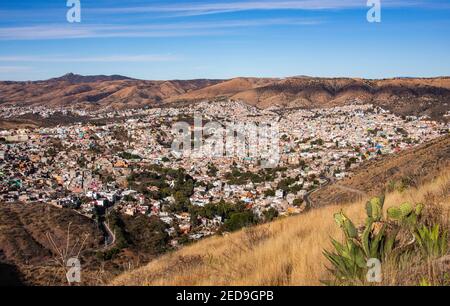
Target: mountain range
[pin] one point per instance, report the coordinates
(404, 96)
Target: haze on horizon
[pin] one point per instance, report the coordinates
(189, 39)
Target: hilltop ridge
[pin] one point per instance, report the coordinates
(77, 78)
(403, 96)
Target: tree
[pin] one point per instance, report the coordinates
(181, 202)
(67, 253)
(239, 220)
(270, 214)
(269, 193)
(212, 170)
(297, 202)
(148, 234)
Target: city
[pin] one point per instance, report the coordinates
(128, 165)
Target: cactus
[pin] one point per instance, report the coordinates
(374, 208)
(406, 209)
(376, 243)
(350, 258)
(418, 209)
(394, 213)
(378, 239)
(349, 262)
(405, 213)
(400, 212)
(339, 218)
(389, 243)
(366, 236)
(346, 224)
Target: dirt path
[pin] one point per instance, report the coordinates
(362, 193)
(307, 197)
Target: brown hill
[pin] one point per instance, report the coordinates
(27, 256)
(25, 251)
(95, 91)
(76, 78)
(404, 96)
(226, 88)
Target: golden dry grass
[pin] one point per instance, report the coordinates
(285, 252)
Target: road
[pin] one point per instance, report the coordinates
(110, 238)
(307, 199)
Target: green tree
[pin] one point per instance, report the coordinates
(239, 220)
(270, 214)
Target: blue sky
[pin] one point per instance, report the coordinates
(186, 39)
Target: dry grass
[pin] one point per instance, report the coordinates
(285, 252)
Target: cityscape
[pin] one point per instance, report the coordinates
(223, 151)
(127, 163)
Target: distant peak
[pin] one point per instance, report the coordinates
(77, 78)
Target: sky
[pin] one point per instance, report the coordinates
(189, 39)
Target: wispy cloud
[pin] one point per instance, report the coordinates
(233, 6)
(14, 69)
(87, 59)
(148, 30)
(199, 8)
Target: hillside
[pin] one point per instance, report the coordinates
(289, 251)
(93, 92)
(228, 88)
(411, 167)
(286, 252)
(77, 79)
(403, 96)
(25, 251)
(27, 256)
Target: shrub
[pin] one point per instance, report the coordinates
(379, 239)
(239, 220)
(298, 202)
(270, 214)
(433, 243)
(108, 254)
(269, 193)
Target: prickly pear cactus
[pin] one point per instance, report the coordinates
(418, 209)
(406, 209)
(346, 224)
(379, 238)
(405, 213)
(374, 208)
(394, 213)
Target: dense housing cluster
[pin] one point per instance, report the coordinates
(123, 161)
